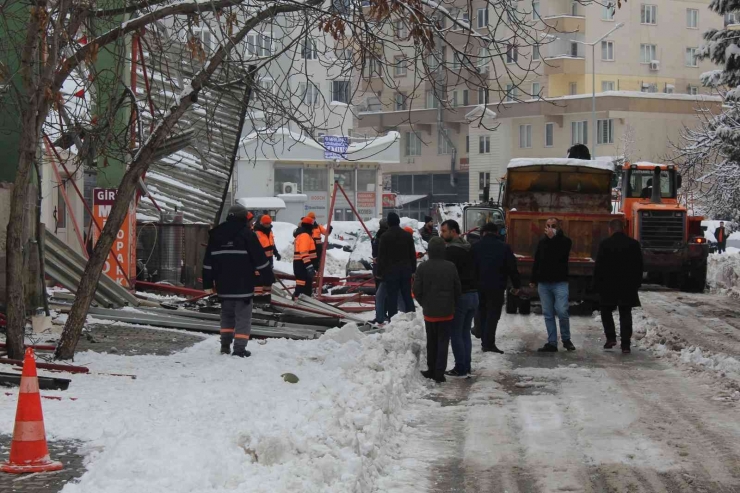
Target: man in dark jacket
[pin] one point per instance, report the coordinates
(617, 277)
(495, 264)
(459, 253)
(550, 275)
(380, 288)
(437, 289)
(428, 231)
(396, 264)
(232, 256)
(721, 236)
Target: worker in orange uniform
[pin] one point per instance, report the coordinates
(316, 233)
(304, 257)
(263, 230)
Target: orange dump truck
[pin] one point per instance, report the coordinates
(579, 194)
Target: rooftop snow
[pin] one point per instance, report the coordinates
(262, 203)
(524, 162)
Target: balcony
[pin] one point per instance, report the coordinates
(565, 64)
(566, 23)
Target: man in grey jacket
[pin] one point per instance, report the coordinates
(437, 289)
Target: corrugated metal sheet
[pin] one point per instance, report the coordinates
(192, 180)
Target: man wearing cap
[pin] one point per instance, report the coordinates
(495, 264)
(318, 233)
(396, 264)
(428, 231)
(233, 255)
(263, 230)
(304, 257)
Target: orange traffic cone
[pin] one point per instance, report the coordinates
(28, 451)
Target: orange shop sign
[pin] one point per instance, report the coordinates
(124, 247)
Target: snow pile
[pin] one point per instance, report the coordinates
(664, 343)
(198, 421)
(723, 274)
(343, 335)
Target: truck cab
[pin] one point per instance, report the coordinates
(673, 244)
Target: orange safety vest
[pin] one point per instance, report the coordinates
(305, 249)
(267, 241)
(317, 232)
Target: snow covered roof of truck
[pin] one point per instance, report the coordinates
(526, 162)
(262, 203)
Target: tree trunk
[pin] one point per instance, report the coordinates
(15, 247)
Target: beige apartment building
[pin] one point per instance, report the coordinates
(647, 85)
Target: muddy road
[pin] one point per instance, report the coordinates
(583, 421)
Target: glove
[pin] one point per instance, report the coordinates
(277, 256)
(331, 228)
(311, 271)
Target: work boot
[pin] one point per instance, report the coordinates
(610, 344)
(427, 374)
(242, 353)
(454, 373)
(626, 350)
(548, 348)
(569, 345)
(225, 348)
(440, 379)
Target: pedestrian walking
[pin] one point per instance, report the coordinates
(721, 236)
(550, 277)
(233, 255)
(263, 230)
(617, 278)
(319, 233)
(460, 253)
(437, 289)
(396, 264)
(495, 265)
(427, 232)
(304, 258)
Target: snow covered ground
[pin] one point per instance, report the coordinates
(200, 422)
(723, 273)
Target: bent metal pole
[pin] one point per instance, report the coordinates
(322, 263)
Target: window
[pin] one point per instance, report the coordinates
(669, 88)
(692, 18)
(535, 9)
(512, 55)
(466, 99)
(731, 18)
(648, 14)
(444, 146)
(340, 91)
(605, 131)
(267, 85)
(579, 133)
(371, 67)
(536, 89)
(482, 18)
(309, 93)
(573, 88)
(483, 58)
(400, 101)
(482, 95)
(61, 210)
(573, 49)
(694, 90)
(536, 52)
(261, 45)
(402, 30)
(651, 88)
(399, 67)
(457, 60)
(467, 144)
(525, 136)
(512, 92)
(691, 57)
(290, 174)
(308, 50)
(484, 179)
(413, 144)
(607, 51)
(433, 61)
(206, 39)
(607, 85)
(574, 8)
(453, 101)
(549, 134)
(484, 144)
(607, 12)
(431, 100)
(315, 180)
(647, 53)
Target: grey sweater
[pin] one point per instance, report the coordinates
(437, 284)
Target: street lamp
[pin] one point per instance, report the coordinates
(593, 78)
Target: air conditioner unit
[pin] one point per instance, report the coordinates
(290, 187)
(654, 65)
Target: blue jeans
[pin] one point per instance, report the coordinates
(398, 280)
(462, 345)
(554, 299)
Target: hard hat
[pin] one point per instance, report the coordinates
(409, 230)
(308, 220)
(266, 220)
(312, 215)
(237, 212)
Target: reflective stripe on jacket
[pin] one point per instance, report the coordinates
(305, 248)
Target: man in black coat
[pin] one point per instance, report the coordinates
(427, 232)
(396, 264)
(617, 277)
(720, 234)
(495, 264)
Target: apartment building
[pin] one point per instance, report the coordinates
(645, 76)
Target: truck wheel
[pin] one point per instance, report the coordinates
(696, 282)
(675, 280)
(525, 306)
(511, 303)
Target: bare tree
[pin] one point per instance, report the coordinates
(257, 48)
